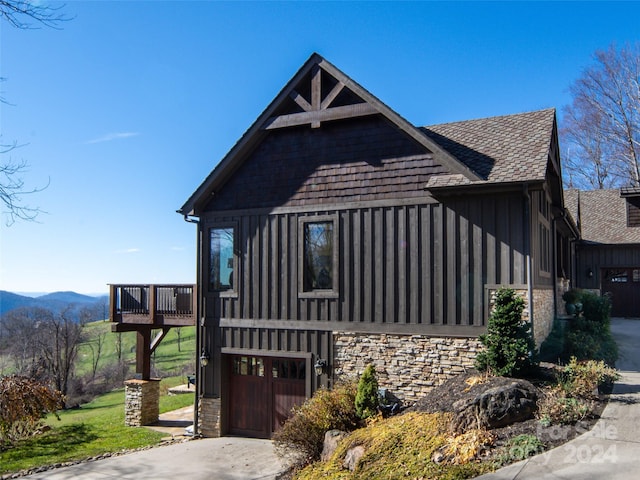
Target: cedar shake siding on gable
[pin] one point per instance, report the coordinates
(351, 160)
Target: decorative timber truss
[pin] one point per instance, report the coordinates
(325, 99)
(149, 309)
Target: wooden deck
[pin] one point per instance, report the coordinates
(144, 308)
(158, 306)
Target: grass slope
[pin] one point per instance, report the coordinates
(98, 426)
(94, 429)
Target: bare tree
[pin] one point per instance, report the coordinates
(23, 14)
(58, 340)
(96, 345)
(602, 125)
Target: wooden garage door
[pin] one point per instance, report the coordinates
(262, 391)
(623, 284)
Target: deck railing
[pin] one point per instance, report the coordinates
(167, 304)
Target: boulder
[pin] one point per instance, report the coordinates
(331, 440)
(352, 457)
(495, 407)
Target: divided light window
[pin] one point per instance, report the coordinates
(221, 260)
(319, 269)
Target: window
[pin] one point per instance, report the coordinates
(221, 261)
(251, 366)
(545, 253)
(633, 212)
(318, 255)
(289, 369)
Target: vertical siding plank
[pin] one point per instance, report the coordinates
(247, 291)
(294, 248)
(255, 266)
(437, 226)
(465, 285)
(414, 267)
(452, 247)
(391, 264)
(284, 247)
(402, 273)
(517, 241)
(368, 280)
(426, 265)
(489, 220)
(265, 274)
(345, 259)
(357, 273)
(478, 265)
(503, 235)
(378, 272)
(274, 282)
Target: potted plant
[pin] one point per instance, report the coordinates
(570, 298)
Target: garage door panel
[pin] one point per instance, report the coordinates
(623, 285)
(262, 392)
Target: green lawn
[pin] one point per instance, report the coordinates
(96, 428)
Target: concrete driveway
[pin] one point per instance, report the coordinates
(228, 458)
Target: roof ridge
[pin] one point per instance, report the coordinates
(550, 109)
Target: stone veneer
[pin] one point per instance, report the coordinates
(543, 314)
(407, 365)
(141, 402)
(209, 417)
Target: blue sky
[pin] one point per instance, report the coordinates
(128, 107)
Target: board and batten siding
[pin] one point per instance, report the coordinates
(417, 268)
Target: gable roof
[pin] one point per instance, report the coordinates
(509, 148)
(602, 215)
(313, 109)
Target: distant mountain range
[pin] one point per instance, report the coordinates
(56, 302)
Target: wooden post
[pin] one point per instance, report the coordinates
(113, 303)
(143, 353)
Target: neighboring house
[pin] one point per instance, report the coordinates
(608, 253)
(335, 234)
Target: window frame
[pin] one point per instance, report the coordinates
(233, 290)
(332, 292)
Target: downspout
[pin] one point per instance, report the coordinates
(527, 248)
(198, 387)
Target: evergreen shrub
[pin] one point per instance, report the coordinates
(509, 344)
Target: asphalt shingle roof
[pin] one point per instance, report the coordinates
(508, 148)
(603, 216)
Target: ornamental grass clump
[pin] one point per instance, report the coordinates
(509, 344)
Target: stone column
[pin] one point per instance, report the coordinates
(141, 402)
(209, 417)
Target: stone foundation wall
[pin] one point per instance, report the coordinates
(209, 417)
(141, 402)
(407, 365)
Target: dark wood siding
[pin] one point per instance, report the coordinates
(413, 264)
(593, 258)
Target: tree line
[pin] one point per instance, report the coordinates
(43, 345)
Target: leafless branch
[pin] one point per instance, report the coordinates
(29, 14)
(12, 189)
